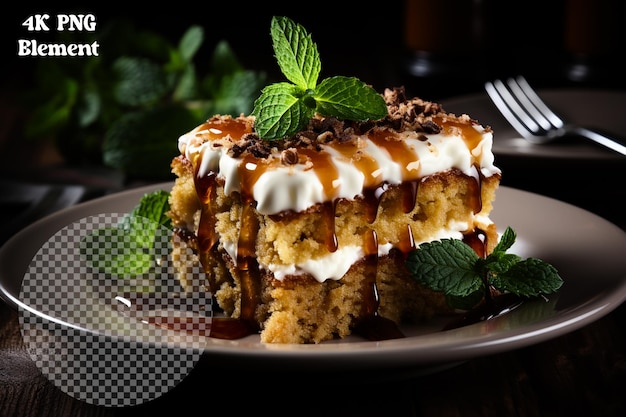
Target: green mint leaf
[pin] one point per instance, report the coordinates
(140, 81)
(350, 99)
(446, 266)
(154, 206)
(187, 84)
(237, 91)
(224, 61)
(345, 98)
(55, 108)
(148, 218)
(90, 108)
(279, 112)
(506, 240)
(127, 250)
(529, 278)
(295, 52)
(500, 262)
(190, 42)
(139, 143)
(121, 252)
(232, 88)
(452, 267)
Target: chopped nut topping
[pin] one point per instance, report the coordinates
(403, 114)
(289, 156)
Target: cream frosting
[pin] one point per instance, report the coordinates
(298, 187)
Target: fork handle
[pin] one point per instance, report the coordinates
(600, 138)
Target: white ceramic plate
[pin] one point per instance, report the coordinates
(590, 108)
(589, 252)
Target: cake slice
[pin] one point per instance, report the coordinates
(307, 236)
(304, 236)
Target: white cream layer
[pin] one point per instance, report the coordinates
(297, 187)
(335, 265)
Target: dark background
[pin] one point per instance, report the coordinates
(469, 42)
(436, 49)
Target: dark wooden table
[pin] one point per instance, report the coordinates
(581, 373)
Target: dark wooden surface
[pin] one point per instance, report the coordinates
(580, 373)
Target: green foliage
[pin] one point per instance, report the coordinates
(452, 267)
(285, 108)
(154, 206)
(142, 144)
(126, 250)
(86, 104)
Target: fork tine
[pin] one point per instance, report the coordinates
(519, 100)
(510, 109)
(538, 103)
(519, 87)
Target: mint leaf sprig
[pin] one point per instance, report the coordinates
(285, 108)
(452, 267)
(131, 242)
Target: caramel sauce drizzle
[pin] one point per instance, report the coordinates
(409, 195)
(327, 173)
(372, 176)
(250, 173)
(207, 238)
(247, 265)
(470, 136)
(407, 242)
(399, 151)
(370, 290)
(328, 209)
(371, 199)
(219, 128)
(371, 325)
(324, 168)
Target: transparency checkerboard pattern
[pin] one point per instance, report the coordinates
(85, 325)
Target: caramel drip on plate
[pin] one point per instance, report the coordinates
(477, 241)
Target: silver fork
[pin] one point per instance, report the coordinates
(532, 118)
